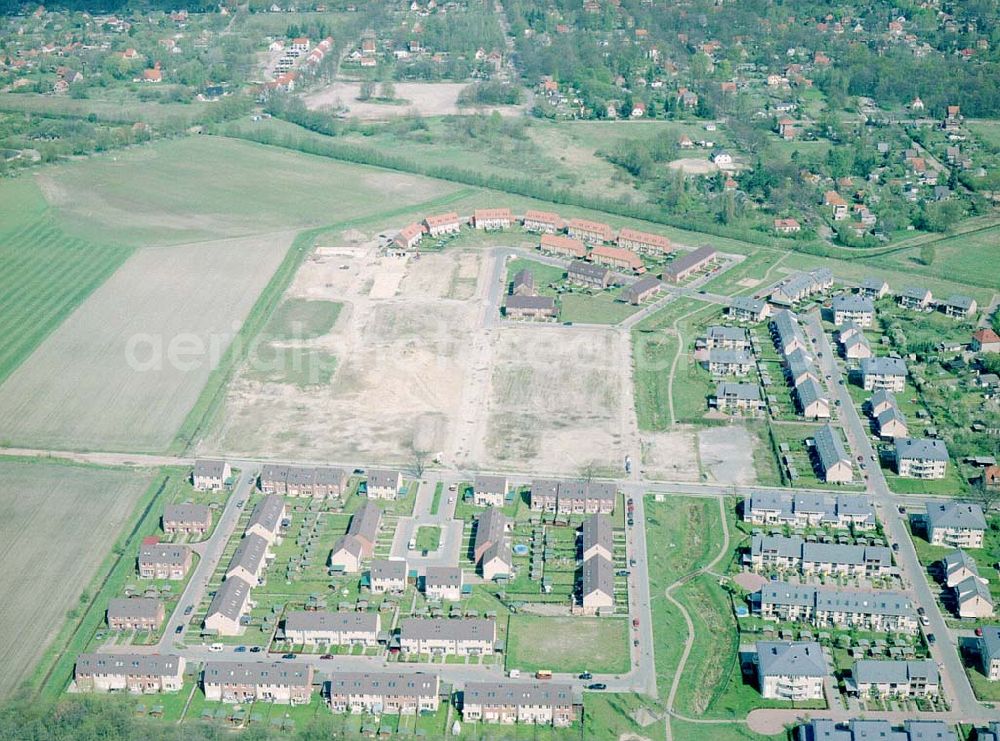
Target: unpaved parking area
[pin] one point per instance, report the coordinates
(671, 455)
(727, 454)
(422, 98)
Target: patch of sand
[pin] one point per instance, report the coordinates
(671, 455)
(693, 166)
(727, 454)
(749, 282)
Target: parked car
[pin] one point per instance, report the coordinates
(288, 656)
(586, 675)
(597, 686)
(636, 643)
(631, 562)
(921, 611)
(635, 622)
(326, 656)
(895, 546)
(255, 649)
(240, 649)
(979, 632)
(216, 648)
(931, 638)
(179, 629)
(189, 609)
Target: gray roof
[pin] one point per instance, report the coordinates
(544, 694)
(393, 684)
(544, 487)
(973, 586)
(830, 448)
(915, 292)
(465, 629)
(883, 366)
(856, 339)
(281, 673)
(742, 391)
(587, 490)
(491, 484)
(780, 545)
(791, 659)
(719, 355)
(210, 468)
(959, 302)
(230, 598)
(846, 554)
(840, 600)
(849, 328)
(163, 553)
(524, 279)
(388, 568)
(249, 554)
(300, 476)
(134, 607)
(501, 550)
(883, 396)
(867, 671)
(350, 543)
(730, 334)
(799, 364)
(989, 642)
(889, 415)
(688, 260)
(748, 304)
(491, 527)
(640, 287)
(809, 392)
(598, 576)
(872, 283)
(332, 621)
(145, 665)
(598, 530)
(382, 478)
(326, 475)
(273, 472)
(365, 522)
(799, 284)
(587, 269)
(959, 559)
(539, 303)
(830, 508)
(853, 302)
(195, 513)
(443, 576)
(268, 513)
(786, 326)
(924, 449)
(783, 593)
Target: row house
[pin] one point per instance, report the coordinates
(250, 559)
(128, 672)
(380, 693)
(743, 398)
(988, 645)
(284, 683)
(266, 519)
(917, 298)
(865, 730)
(186, 519)
(564, 246)
(792, 553)
(727, 338)
(973, 599)
(855, 346)
(810, 510)
(489, 491)
(959, 307)
(545, 222)
(303, 481)
(358, 543)
(314, 627)
(443, 583)
(506, 703)
(644, 243)
(210, 475)
(448, 636)
(531, 308)
(588, 274)
(230, 605)
(729, 362)
(617, 257)
(853, 308)
(595, 232)
(383, 483)
(387, 575)
(409, 236)
(586, 497)
(831, 457)
(441, 224)
(135, 613)
(891, 424)
(684, 266)
(787, 333)
(597, 585)
(801, 286)
(921, 458)
(491, 546)
(642, 290)
(810, 399)
(747, 309)
(492, 219)
(894, 678)
(873, 288)
(879, 611)
(163, 561)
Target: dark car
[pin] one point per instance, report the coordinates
(636, 643)
(255, 650)
(179, 629)
(288, 656)
(586, 675)
(240, 649)
(931, 638)
(921, 611)
(895, 546)
(597, 686)
(326, 656)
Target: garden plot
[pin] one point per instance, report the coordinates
(123, 371)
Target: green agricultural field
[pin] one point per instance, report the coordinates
(568, 644)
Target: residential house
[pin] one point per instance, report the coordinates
(973, 598)
(787, 226)
(597, 538)
(868, 730)
(881, 401)
(746, 309)
(787, 333)
(644, 243)
(894, 678)
(358, 542)
(230, 603)
(537, 703)
(597, 590)
(853, 308)
(641, 290)
(989, 652)
(726, 338)
(443, 583)
(873, 288)
(617, 257)
(959, 306)
(834, 462)
(779, 552)
(489, 491)
(379, 693)
(985, 341)
(210, 475)
(801, 286)
(497, 562)
(135, 613)
(441, 224)
(316, 627)
(856, 347)
(729, 362)
(164, 561)
(579, 497)
(588, 274)
(811, 400)
(409, 236)
(387, 575)
(530, 307)
(878, 611)
(958, 524)
(130, 672)
(957, 567)
(281, 682)
(921, 458)
(545, 222)
(722, 159)
(788, 670)
(523, 283)
(914, 297)
(492, 219)
(560, 245)
(266, 518)
(186, 519)
(491, 547)
(595, 232)
(383, 483)
(883, 373)
(249, 560)
(803, 510)
(544, 495)
(738, 397)
(274, 479)
(837, 205)
(448, 636)
(891, 424)
(684, 266)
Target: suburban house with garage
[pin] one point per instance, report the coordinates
(210, 475)
(537, 703)
(492, 219)
(281, 682)
(358, 543)
(853, 308)
(743, 398)
(489, 491)
(266, 518)
(186, 519)
(546, 222)
(644, 243)
(439, 224)
(957, 524)
(684, 266)
(135, 613)
(383, 483)
(443, 583)
(230, 603)
(387, 575)
(789, 670)
(164, 561)
(595, 232)
(894, 678)
(589, 274)
(883, 373)
(834, 462)
(128, 672)
(921, 458)
(380, 693)
(448, 636)
(315, 627)
(560, 245)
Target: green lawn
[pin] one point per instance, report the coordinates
(567, 644)
(436, 501)
(600, 308)
(545, 275)
(302, 319)
(428, 537)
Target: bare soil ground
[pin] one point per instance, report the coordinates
(402, 345)
(422, 98)
(693, 166)
(671, 456)
(107, 379)
(727, 454)
(57, 526)
(554, 402)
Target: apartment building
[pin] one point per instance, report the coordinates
(853, 308)
(878, 611)
(921, 458)
(894, 678)
(743, 398)
(810, 510)
(883, 373)
(790, 670)
(163, 561)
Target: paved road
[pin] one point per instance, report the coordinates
(945, 651)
